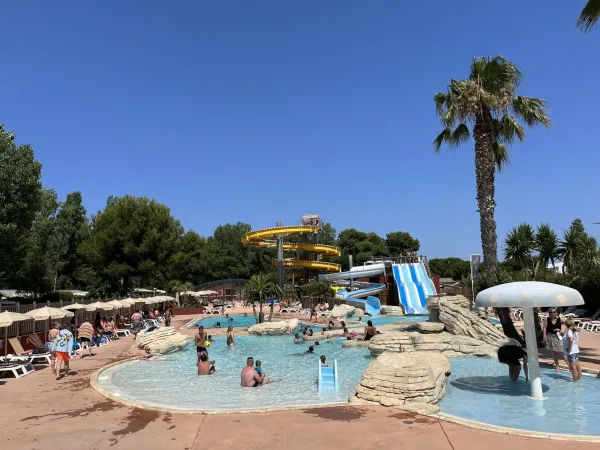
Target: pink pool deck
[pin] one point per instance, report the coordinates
(39, 412)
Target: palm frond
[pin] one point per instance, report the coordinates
(441, 100)
(451, 137)
(507, 128)
(500, 155)
(589, 15)
(531, 110)
(496, 75)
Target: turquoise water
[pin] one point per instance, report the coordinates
(238, 321)
(480, 390)
(172, 380)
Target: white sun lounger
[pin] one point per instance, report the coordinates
(289, 310)
(122, 332)
(14, 368)
(39, 357)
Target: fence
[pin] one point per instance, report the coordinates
(29, 326)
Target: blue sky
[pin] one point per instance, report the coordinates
(260, 111)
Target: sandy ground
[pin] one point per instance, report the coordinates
(41, 413)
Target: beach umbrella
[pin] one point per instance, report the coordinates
(127, 302)
(46, 313)
(115, 303)
(7, 318)
(99, 305)
(74, 307)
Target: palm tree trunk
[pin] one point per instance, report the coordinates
(271, 310)
(254, 311)
(485, 171)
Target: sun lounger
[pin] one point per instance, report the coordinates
(212, 311)
(14, 367)
(122, 332)
(35, 357)
(289, 310)
(323, 313)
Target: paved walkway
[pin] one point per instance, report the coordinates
(39, 412)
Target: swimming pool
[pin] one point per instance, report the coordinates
(238, 321)
(480, 390)
(171, 381)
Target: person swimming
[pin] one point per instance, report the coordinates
(298, 339)
(218, 325)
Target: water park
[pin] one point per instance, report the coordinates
(420, 351)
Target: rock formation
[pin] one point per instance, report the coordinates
(274, 328)
(429, 327)
(433, 304)
(341, 311)
(162, 340)
(445, 343)
(354, 343)
(462, 322)
(357, 313)
(388, 310)
(415, 381)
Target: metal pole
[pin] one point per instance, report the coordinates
(280, 269)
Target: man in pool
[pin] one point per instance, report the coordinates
(511, 355)
(250, 377)
(200, 341)
(205, 367)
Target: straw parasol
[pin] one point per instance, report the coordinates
(7, 318)
(127, 302)
(99, 305)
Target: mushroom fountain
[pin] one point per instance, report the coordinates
(528, 295)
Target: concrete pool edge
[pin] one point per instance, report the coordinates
(513, 431)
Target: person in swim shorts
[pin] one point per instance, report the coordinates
(205, 367)
(511, 355)
(200, 341)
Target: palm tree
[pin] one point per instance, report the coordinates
(519, 245)
(589, 15)
(546, 242)
(488, 102)
(569, 246)
(260, 288)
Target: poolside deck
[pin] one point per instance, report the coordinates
(39, 412)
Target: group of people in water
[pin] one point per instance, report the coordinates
(562, 339)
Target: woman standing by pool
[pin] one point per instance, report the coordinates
(571, 349)
(230, 336)
(553, 343)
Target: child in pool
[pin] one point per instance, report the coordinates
(258, 367)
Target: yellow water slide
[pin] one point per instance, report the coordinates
(267, 238)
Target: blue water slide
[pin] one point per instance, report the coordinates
(402, 294)
(420, 289)
(328, 377)
(412, 290)
(370, 304)
(425, 280)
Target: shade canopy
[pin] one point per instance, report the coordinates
(127, 302)
(46, 313)
(528, 294)
(74, 306)
(7, 318)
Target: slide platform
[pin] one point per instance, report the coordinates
(328, 377)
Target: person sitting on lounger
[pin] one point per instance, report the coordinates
(205, 367)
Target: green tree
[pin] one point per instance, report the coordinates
(328, 234)
(131, 243)
(589, 15)
(488, 102)
(401, 242)
(519, 245)
(455, 268)
(20, 196)
(546, 242)
(319, 290)
(40, 256)
(188, 263)
(362, 246)
(71, 226)
(261, 288)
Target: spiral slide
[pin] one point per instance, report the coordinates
(267, 238)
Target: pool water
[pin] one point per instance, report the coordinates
(238, 321)
(172, 381)
(480, 390)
